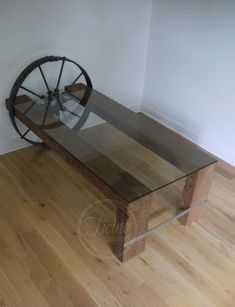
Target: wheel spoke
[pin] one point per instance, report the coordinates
(43, 76)
(45, 115)
(59, 103)
(29, 108)
(59, 78)
(31, 92)
(77, 78)
(72, 113)
(24, 135)
(64, 109)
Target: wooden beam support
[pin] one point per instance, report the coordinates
(131, 225)
(195, 194)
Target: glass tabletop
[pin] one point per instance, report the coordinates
(131, 153)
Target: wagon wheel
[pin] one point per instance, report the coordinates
(49, 90)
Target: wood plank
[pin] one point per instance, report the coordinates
(166, 143)
(130, 225)
(116, 189)
(20, 281)
(8, 294)
(195, 194)
(180, 267)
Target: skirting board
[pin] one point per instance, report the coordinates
(12, 145)
(137, 108)
(228, 157)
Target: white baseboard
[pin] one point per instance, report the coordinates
(12, 145)
(137, 108)
(215, 149)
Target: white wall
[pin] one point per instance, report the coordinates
(108, 37)
(190, 75)
(190, 67)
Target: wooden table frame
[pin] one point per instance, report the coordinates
(134, 221)
(133, 217)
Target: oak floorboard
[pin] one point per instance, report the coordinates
(43, 262)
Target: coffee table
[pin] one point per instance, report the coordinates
(126, 155)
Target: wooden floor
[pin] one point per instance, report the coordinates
(44, 261)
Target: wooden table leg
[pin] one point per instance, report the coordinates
(195, 194)
(130, 225)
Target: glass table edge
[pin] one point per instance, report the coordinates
(174, 181)
(125, 199)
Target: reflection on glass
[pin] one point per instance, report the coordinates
(166, 204)
(131, 153)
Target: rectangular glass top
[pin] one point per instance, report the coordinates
(131, 153)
